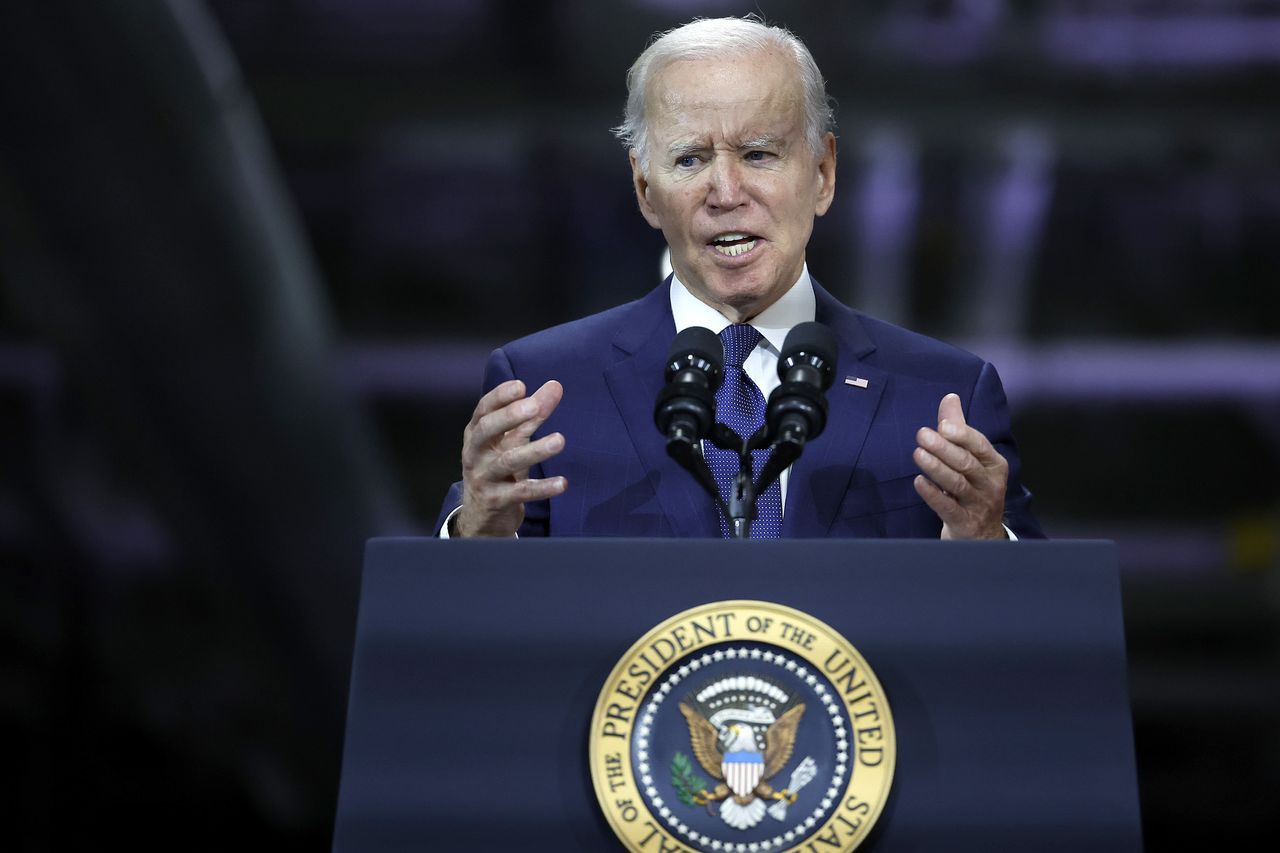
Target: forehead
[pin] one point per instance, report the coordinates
(739, 94)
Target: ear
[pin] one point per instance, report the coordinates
(826, 174)
(641, 184)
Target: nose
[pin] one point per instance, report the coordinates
(726, 190)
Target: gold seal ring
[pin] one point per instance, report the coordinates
(742, 726)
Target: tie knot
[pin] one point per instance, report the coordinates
(739, 340)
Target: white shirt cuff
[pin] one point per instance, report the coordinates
(444, 530)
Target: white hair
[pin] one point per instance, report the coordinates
(709, 38)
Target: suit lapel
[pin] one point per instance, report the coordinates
(820, 478)
(634, 382)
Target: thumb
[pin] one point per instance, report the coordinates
(950, 410)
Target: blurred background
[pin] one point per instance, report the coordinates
(253, 254)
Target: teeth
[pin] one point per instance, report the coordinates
(735, 250)
(729, 237)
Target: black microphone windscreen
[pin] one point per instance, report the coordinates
(814, 339)
(700, 342)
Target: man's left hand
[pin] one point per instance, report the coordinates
(964, 477)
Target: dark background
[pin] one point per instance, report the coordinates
(254, 252)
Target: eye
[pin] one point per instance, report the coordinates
(758, 156)
(688, 161)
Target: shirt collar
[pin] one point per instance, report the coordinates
(796, 306)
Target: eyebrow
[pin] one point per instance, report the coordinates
(682, 149)
(761, 142)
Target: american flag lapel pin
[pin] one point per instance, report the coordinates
(856, 381)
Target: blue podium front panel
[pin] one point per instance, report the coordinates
(478, 666)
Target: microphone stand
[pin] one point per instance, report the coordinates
(740, 508)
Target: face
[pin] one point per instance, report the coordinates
(732, 182)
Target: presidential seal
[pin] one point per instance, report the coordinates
(742, 727)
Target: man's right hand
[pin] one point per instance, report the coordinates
(497, 455)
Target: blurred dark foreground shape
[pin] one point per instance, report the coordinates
(187, 491)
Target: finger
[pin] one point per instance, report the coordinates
(499, 396)
(951, 453)
(949, 409)
(971, 440)
(943, 475)
(491, 428)
(523, 491)
(943, 505)
(516, 461)
(546, 398)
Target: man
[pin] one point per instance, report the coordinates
(732, 155)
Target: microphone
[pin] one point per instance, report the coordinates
(797, 409)
(685, 410)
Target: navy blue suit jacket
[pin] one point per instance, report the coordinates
(855, 479)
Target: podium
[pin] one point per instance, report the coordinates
(478, 665)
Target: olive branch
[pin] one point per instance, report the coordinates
(687, 783)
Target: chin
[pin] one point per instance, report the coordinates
(750, 300)
(745, 305)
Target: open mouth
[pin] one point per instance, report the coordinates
(733, 243)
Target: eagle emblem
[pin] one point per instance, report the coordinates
(742, 730)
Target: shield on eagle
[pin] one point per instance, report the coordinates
(742, 771)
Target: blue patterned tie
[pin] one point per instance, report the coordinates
(740, 405)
